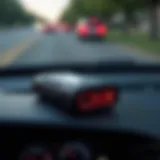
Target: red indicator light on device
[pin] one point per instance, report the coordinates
(91, 100)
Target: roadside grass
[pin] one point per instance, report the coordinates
(138, 41)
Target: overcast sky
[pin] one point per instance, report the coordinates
(49, 9)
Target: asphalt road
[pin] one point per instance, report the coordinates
(11, 37)
(57, 48)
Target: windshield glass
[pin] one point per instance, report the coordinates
(57, 32)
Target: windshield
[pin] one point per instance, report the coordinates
(56, 32)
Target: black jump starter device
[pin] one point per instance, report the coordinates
(75, 93)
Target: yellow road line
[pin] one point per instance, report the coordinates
(7, 57)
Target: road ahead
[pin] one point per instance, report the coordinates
(33, 48)
(10, 37)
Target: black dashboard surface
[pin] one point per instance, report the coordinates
(137, 110)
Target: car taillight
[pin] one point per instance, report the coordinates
(91, 100)
(101, 29)
(83, 30)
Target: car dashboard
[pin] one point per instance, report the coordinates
(32, 130)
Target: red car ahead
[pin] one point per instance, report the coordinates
(49, 29)
(91, 28)
(67, 27)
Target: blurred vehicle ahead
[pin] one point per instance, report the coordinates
(49, 28)
(91, 28)
(67, 27)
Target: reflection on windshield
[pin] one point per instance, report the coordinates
(56, 32)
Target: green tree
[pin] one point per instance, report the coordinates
(82, 8)
(11, 12)
(154, 18)
(107, 8)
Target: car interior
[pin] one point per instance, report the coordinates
(123, 126)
